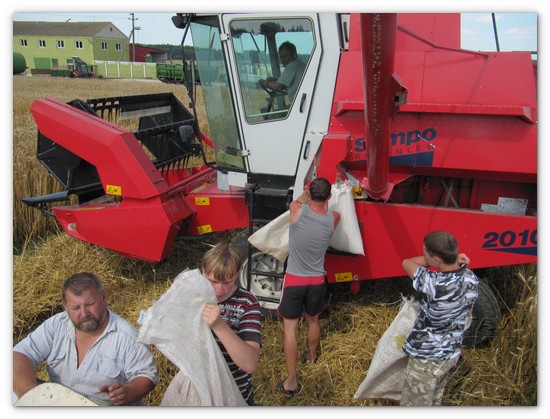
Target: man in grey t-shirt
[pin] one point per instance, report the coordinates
(312, 225)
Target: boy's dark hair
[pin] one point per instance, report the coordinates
(80, 282)
(320, 189)
(443, 245)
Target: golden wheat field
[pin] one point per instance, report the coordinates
(502, 374)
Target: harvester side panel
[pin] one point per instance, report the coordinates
(217, 210)
(460, 79)
(137, 229)
(439, 28)
(466, 114)
(393, 232)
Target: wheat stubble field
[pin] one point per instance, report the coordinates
(503, 374)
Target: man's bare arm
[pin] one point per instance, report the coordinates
(23, 374)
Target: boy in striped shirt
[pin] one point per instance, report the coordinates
(236, 320)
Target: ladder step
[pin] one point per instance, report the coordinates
(261, 220)
(268, 299)
(271, 192)
(253, 221)
(263, 273)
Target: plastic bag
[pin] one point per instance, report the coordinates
(347, 236)
(387, 370)
(273, 237)
(174, 325)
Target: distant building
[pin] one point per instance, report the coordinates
(147, 55)
(52, 45)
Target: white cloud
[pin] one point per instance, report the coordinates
(528, 32)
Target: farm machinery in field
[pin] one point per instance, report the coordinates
(431, 136)
(77, 68)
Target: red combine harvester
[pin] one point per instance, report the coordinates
(431, 136)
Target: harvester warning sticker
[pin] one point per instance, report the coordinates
(113, 190)
(202, 200)
(343, 277)
(207, 228)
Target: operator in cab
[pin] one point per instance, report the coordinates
(292, 75)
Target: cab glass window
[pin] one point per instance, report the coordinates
(271, 57)
(216, 91)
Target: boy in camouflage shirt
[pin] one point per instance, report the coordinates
(435, 343)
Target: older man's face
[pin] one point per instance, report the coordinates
(87, 311)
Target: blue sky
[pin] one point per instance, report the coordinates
(516, 31)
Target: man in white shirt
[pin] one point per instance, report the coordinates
(87, 348)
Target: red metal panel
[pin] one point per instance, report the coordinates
(333, 151)
(450, 82)
(442, 29)
(137, 229)
(348, 94)
(488, 146)
(453, 78)
(393, 232)
(117, 155)
(472, 146)
(217, 210)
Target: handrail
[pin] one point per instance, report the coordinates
(434, 45)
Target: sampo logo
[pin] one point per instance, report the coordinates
(412, 137)
(401, 138)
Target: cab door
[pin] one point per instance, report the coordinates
(272, 124)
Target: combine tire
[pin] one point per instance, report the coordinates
(266, 287)
(485, 318)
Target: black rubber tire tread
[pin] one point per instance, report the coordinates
(485, 320)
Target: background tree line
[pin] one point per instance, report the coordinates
(174, 51)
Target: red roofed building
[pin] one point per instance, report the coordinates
(146, 54)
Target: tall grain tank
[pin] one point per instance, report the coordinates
(19, 63)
